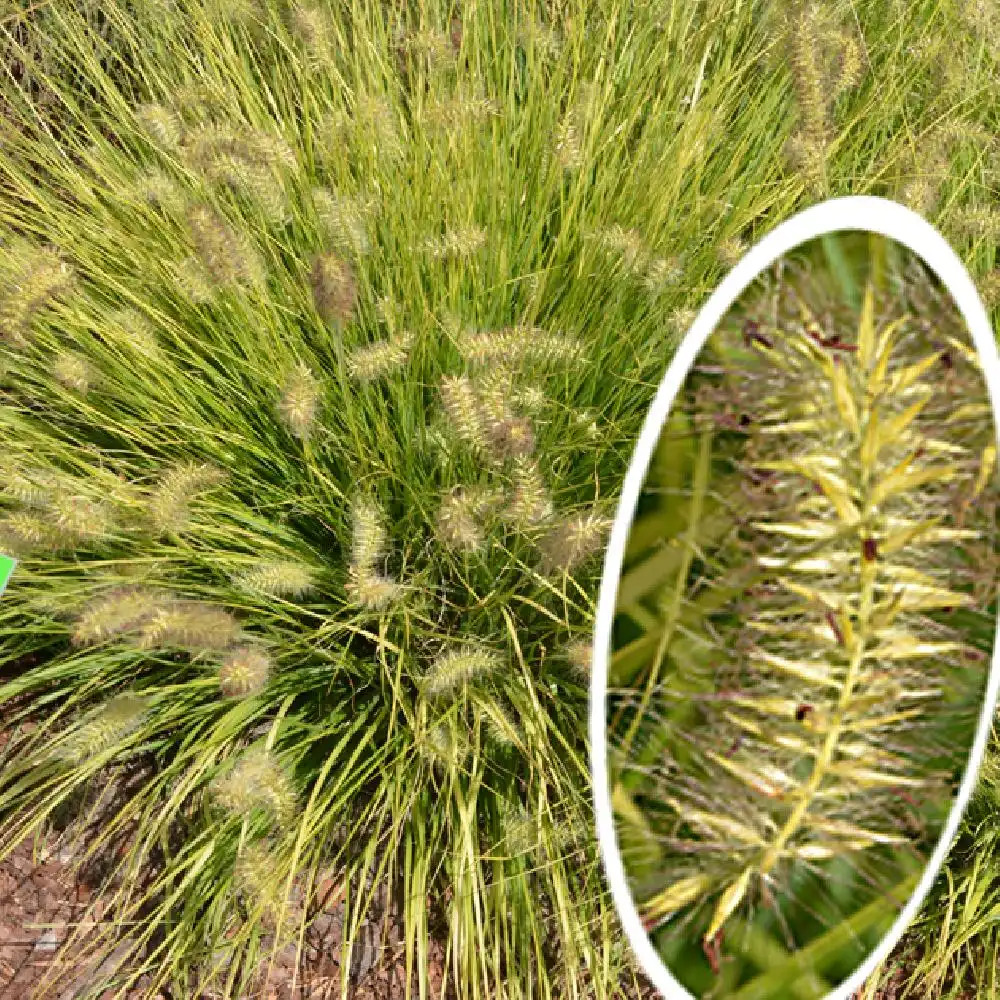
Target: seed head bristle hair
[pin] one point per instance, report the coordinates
(258, 183)
(571, 540)
(159, 188)
(989, 286)
(369, 539)
(846, 632)
(276, 578)
(662, 273)
(261, 884)
(194, 280)
(244, 671)
(60, 520)
(442, 746)
(543, 39)
(455, 668)
(372, 590)
(104, 729)
(226, 255)
(682, 317)
(375, 361)
(343, 221)
(28, 486)
(73, 371)
(567, 143)
(517, 345)
(119, 612)
(510, 436)
(33, 278)
(811, 84)
(460, 518)
(463, 109)
(806, 155)
(257, 781)
(731, 251)
(628, 245)
(367, 585)
(192, 626)
(211, 146)
(976, 221)
(299, 404)
(459, 242)
(335, 292)
(134, 330)
(464, 410)
(850, 63)
(171, 498)
(161, 124)
(80, 519)
(580, 656)
(310, 25)
(529, 504)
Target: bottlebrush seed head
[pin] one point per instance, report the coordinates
(511, 437)
(851, 63)
(567, 143)
(662, 273)
(226, 255)
(572, 540)
(34, 278)
(456, 668)
(343, 221)
(461, 242)
(298, 406)
(731, 251)
(79, 519)
(192, 626)
(517, 345)
(371, 590)
(580, 655)
(310, 26)
(256, 781)
(135, 331)
(170, 500)
(276, 578)
(161, 124)
(158, 188)
(105, 728)
(529, 504)
(73, 372)
(374, 361)
(368, 542)
(811, 84)
(255, 880)
(463, 410)
(194, 280)
(335, 292)
(626, 244)
(459, 111)
(457, 524)
(121, 611)
(244, 671)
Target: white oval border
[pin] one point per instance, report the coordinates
(876, 215)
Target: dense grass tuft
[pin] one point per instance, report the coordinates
(326, 331)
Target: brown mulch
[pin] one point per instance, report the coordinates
(41, 899)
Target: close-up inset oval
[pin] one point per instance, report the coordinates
(792, 685)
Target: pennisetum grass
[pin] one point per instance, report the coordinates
(325, 334)
(832, 697)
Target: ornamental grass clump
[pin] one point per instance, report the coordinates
(812, 722)
(277, 279)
